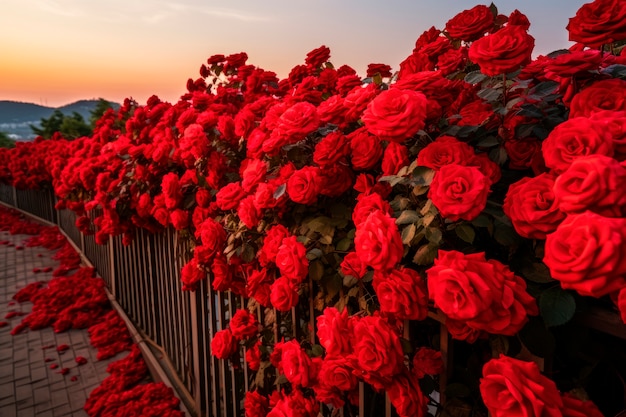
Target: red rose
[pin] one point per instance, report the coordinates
(223, 344)
(377, 241)
(248, 212)
(255, 404)
(489, 168)
(179, 219)
(575, 138)
(264, 196)
(601, 95)
(414, 63)
(194, 142)
(203, 197)
(243, 325)
(365, 148)
(615, 123)
(336, 179)
(244, 123)
(213, 236)
(406, 395)
(511, 387)
(587, 253)
(284, 294)
(293, 125)
(396, 114)
(337, 373)
(483, 294)
(171, 190)
(471, 24)
(377, 353)
(597, 23)
(522, 153)
(352, 265)
(575, 63)
(191, 275)
(318, 56)
(531, 205)
(594, 182)
(331, 148)
(445, 150)
(502, 52)
(395, 157)
(253, 356)
(291, 260)
(333, 331)
(459, 192)
(383, 70)
(259, 286)
(427, 362)
(476, 113)
(452, 60)
(273, 239)
(332, 110)
(573, 407)
(253, 171)
(402, 293)
(518, 18)
(357, 100)
(295, 364)
(304, 185)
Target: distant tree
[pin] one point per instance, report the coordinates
(6, 141)
(70, 127)
(50, 125)
(101, 108)
(74, 127)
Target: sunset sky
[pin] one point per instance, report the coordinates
(54, 52)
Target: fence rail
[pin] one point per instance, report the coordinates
(144, 278)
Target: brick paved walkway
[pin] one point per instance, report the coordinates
(28, 386)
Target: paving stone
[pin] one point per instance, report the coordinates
(28, 387)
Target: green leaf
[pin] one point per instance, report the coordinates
(481, 221)
(465, 232)
(433, 235)
(425, 255)
(314, 254)
(557, 306)
(537, 338)
(488, 142)
(317, 350)
(537, 272)
(422, 176)
(408, 233)
(407, 217)
(316, 270)
(344, 244)
(490, 94)
(475, 77)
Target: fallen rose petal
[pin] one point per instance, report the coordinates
(74, 378)
(3, 324)
(64, 371)
(62, 348)
(81, 360)
(54, 366)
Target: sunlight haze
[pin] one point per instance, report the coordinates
(58, 51)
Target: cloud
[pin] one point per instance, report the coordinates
(234, 14)
(59, 8)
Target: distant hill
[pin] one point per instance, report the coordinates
(17, 117)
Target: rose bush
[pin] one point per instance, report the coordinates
(476, 187)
